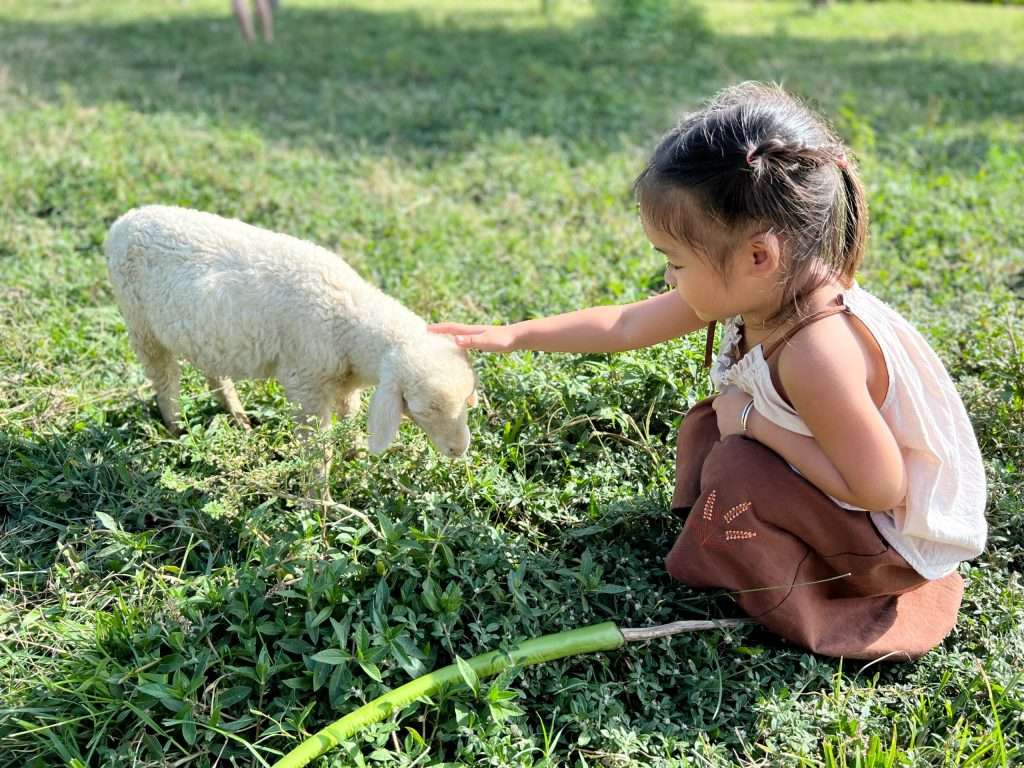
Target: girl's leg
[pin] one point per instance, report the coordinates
(698, 434)
(805, 568)
(241, 11)
(266, 13)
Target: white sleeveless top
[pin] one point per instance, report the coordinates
(942, 519)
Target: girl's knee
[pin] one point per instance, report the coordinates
(737, 450)
(699, 428)
(698, 434)
(700, 412)
(737, 460)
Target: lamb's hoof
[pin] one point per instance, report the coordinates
(242, 422)
(360, 447)
(316, 501)
(355, 453)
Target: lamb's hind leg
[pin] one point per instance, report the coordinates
(163, 370)
(224, 390)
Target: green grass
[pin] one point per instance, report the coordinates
(161, 600)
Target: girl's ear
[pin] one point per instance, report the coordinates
(765, 254)
(385, 414)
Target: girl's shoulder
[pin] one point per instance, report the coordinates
(830, 345)
(839, 353)
(872, 337)
(875, 313)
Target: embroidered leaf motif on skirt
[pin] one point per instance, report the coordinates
(713, 535)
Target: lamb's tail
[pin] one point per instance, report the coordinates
(119, 238)
(125, 250)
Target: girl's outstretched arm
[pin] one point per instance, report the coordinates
(596, 329)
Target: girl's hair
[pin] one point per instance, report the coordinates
(756, 159)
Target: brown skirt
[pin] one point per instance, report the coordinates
(805, 568)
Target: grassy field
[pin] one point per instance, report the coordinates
(161, 599)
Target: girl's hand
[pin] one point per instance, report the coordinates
(487, 338)
(728, 406)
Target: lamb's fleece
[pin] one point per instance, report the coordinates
(242, 302)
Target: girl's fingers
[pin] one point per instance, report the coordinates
(483, 342)
(475, 341)
(456, 328)
(486, 338)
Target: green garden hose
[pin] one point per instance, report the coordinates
(598, 637)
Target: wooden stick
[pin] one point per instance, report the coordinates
(640, 634)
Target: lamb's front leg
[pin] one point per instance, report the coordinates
(313, 418)
(226, 394)
(346, 404)
(347, 401)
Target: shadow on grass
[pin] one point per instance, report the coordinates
(236, 634)
(347, 77)
(395, 80)
(64, 488)
(225, 612)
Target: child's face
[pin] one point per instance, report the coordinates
(753, 276)
(701, 286)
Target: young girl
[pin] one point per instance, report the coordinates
(835, 482)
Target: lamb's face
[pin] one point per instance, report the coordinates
(439, 400)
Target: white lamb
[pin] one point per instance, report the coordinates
(238, 301)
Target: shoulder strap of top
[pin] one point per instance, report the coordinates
(839, 306)
(709, 344)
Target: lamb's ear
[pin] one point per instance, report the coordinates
(385, 414)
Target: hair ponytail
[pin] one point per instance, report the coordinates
(855, 229)
(775, 157)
